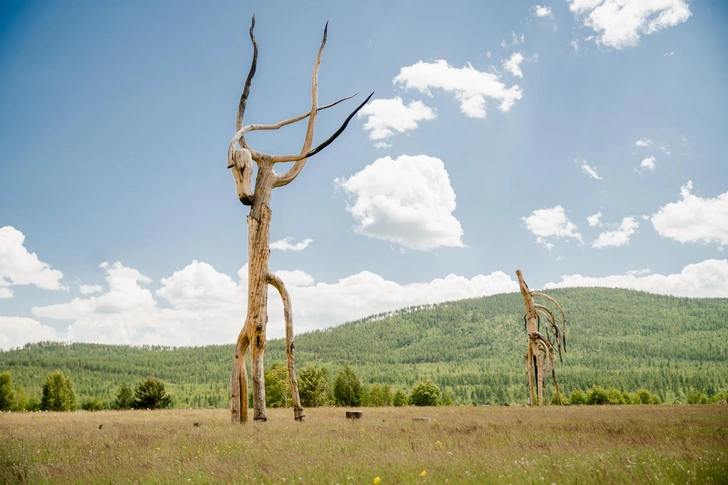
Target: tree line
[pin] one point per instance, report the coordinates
(471, 349)
(58, 395)
(316, 389)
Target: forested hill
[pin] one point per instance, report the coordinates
(475, 347)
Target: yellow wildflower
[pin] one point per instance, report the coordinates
(377, 480)
(423, 473)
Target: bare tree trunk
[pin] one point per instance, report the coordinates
(540, 351)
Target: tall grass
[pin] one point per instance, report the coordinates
(577, 444)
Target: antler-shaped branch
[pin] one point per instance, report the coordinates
(563, 315)
(247, 129)
(248, 81)
(306, 150)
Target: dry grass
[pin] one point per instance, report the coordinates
(594, 444)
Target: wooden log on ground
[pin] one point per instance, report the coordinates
(424, 419)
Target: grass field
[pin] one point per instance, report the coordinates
(577, 444)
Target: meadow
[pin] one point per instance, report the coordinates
(473, 445)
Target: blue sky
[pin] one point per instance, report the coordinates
(582, 141)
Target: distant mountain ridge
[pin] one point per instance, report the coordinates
(475, 348)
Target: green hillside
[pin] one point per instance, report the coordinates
(475, 347)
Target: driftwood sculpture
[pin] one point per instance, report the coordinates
(540, 352)
(240, 160)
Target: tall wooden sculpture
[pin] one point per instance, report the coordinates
(540, 352)
(240, 160)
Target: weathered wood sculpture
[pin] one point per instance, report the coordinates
(240, 160)
(540, 352)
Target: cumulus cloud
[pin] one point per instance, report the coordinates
(551, 222)
(594, 220)
(648, 164)
(470, 86)
(589, 170)
(621, 23)
(706, 279)
(90, 289)
(513, 64)
(620, 237)
(204, 306)
(387, 116)
(408, 201)
(20, 267)
(575, 45)
(694, 218)
(286, 244)
(542, 11)
(18, 331)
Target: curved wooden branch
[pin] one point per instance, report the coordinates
(281, 124)
(249, 80)
(557, 330)
(295, 158)
(308, 140)
(238, 137)
(563, 315)
(553, 372)
(277, 283)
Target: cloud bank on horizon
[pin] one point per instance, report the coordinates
(198, 305)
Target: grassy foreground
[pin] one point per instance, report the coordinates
(577, 444)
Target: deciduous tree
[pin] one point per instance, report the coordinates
(58, 394)
(425, 394)
(150, 394)
(124, 397)
(7, 393)
(347, 388)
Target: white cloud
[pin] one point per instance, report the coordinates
(669, 54)
(470, 86)
(621, 23)
(408, 201)
(694, 218)
(19, 267)
(389, 115)
(515, 40)
(18, 331)
(208, 307)
(286, 244)
(589, 170)
(90, 289)
(594, 220)
(620, 237)
(647, 143)
(648, 164)
(551, 223)
(706, 279)
(489, 55)
(382, 144)
(579, 6)
(575, 44)
(513, 64)
(542, 11)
